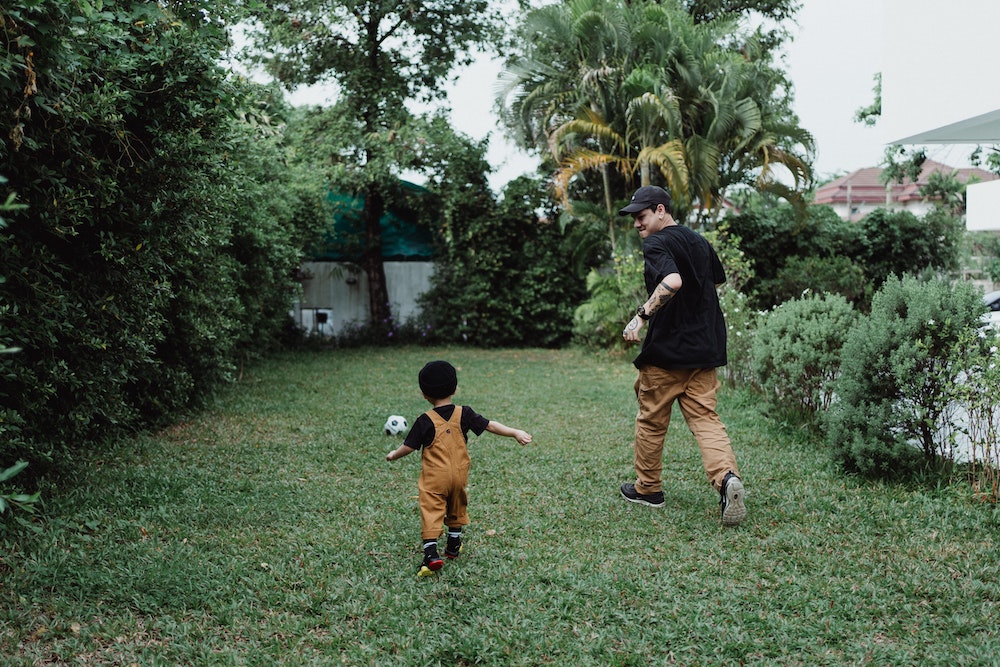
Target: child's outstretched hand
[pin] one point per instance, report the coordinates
(399, 453)
(522, 437)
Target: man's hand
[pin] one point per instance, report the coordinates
(631, 331)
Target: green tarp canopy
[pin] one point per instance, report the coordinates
(402, 238)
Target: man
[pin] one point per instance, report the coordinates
(684, 345)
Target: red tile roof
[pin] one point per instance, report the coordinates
(864, 187)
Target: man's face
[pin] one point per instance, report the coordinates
(649, 221)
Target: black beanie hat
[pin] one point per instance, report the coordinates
(438, 379)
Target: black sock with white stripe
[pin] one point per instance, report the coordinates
(454, 541)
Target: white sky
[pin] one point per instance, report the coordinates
(832, 59)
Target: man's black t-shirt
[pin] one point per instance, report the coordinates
(690, 330)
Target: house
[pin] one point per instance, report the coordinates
(334, 287)
(859, 193)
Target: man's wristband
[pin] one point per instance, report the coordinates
(641, 313)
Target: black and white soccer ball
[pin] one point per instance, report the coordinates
(395, 425)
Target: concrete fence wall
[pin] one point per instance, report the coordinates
(335, 295)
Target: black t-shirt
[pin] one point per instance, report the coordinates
(690, 331)
(422, 432)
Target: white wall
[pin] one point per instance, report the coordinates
(343, 295)
(983, 206)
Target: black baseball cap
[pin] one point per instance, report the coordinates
(648, 196)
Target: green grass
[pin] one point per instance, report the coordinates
(270, 530)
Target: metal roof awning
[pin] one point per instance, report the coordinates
(981, 129)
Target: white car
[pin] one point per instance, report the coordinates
(992, 301)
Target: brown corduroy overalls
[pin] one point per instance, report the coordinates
(443, 477)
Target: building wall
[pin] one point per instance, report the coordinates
(341, 294)
(861, 209)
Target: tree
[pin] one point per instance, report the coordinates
(381, 56)
(898, 243)
(946, 191)
(506, 279)
(555, 97)
(894, 409)
(664, 99)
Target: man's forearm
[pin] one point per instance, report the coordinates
(663, 293)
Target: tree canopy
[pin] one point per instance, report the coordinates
(161, 224)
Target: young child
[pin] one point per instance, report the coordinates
(442, 433)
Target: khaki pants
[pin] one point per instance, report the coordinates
(695, 392)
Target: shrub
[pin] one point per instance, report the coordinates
(818, 275)
(892, 405)
(898, 243)
(413, 331)
(775, 239)
(504, 276)
(156, 247)
(977, 433)
(796, 351)
(613, 295)
(741, 327)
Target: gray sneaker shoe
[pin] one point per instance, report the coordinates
(652, 499)
(731, 502)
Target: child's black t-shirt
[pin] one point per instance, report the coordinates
(422, 432)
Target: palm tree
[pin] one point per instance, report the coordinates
(676, 106)
(735, 128)
(565, 85)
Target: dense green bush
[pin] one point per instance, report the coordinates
(156, 248)
(823, 253)
(898, 243)
(813, 274)
(892, 408)
(504, 277)
(777, 242)
(797, 348)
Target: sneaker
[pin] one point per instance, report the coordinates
(731, 501)
(652, 499)
(454, 547)
(432, 563)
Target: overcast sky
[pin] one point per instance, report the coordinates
(832, 60)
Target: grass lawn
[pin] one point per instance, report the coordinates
(269, 529)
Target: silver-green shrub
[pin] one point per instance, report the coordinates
(796, 351)
(893, 398)
(741, 328)
(976, 433)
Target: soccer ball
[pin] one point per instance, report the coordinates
(395, 425)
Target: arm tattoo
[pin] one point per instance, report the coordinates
(662, 294)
